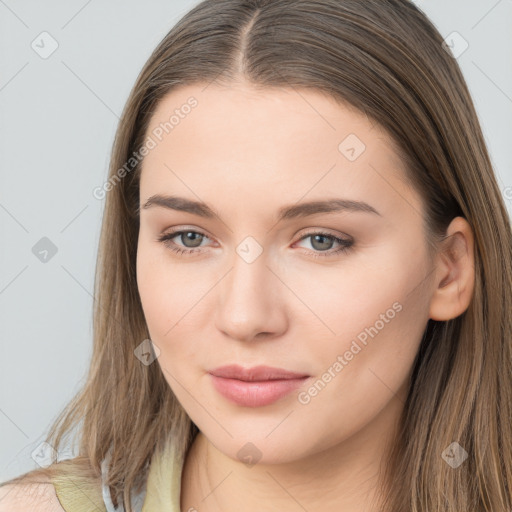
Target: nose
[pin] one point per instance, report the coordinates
(251, 301)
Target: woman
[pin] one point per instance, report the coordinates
(304, 278)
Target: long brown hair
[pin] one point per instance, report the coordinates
(385, 58)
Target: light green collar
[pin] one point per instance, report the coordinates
(163, 487)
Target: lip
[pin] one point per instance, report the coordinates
(256, 373)
(256, 386)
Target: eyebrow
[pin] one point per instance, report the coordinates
(285, 213)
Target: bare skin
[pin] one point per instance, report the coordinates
(248, 153)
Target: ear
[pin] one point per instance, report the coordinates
(455, 272)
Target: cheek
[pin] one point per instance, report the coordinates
(365, 289)
(363, 372)
(163, 289)
(376, 317)
(159, 299)
(172, 307)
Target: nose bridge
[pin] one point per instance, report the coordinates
(248, 301)
(243, 292)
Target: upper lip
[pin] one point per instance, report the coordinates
(256, 373)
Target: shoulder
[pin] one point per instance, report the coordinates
(68, 486)
(29, 497)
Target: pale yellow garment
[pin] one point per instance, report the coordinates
(162, 490)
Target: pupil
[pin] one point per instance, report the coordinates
(325, 245)
(192, 237)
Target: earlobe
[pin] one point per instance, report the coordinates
(455, 273)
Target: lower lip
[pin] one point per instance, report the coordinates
(256, 393)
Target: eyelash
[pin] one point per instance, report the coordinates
(345, 245)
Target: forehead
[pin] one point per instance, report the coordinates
(288, 141)
(251, 115)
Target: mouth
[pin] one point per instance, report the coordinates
(257, 386)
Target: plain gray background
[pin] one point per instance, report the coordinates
(58, 116)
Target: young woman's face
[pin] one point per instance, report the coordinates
(300, 248)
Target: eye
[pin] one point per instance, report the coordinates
(188, 236)
(322, 244)
(320, 241)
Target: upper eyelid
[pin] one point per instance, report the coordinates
(178, 231)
